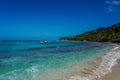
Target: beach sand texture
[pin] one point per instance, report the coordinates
(109, 68)
(115, 74)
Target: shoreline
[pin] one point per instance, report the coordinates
(111, 73)
(115, 74)
(105, 67)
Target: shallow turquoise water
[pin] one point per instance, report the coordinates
(50, 61)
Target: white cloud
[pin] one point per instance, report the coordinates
(112, 5)
(114, 2)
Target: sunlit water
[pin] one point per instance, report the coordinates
(47, 61)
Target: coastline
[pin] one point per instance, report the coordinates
(111, 63)
(115, 74)
(101, 62)
(105, 67)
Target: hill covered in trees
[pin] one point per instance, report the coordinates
(103, 34)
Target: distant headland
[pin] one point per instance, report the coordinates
(102, 34)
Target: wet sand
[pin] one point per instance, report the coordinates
(115, 74)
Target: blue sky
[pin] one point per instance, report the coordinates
(52, 19)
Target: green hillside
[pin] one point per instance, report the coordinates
(103, 34)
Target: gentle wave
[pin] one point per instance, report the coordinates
(49, 69)
(104, 68)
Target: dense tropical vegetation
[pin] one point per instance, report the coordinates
(103, 34)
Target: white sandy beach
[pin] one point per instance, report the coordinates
(115, 74)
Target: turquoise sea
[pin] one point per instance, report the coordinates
(32, 60)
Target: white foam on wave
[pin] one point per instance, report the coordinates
(32, 73)
(21, 74)
(104, 68)
(115, 48)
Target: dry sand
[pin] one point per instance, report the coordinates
(115, 74)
